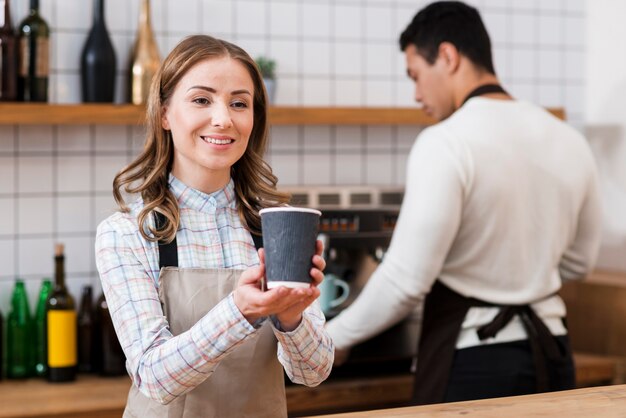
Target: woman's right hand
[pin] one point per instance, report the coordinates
(254, 303)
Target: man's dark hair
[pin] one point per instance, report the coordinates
(449, 21)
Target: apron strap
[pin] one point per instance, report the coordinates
(168, 251)
(258, 241)
(484, 89)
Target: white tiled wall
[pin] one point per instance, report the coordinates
(55, 182)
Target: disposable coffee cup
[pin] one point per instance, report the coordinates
(289, 236)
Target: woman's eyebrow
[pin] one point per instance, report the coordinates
(212, 90)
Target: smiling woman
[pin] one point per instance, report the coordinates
(210, 118)
(179, 267)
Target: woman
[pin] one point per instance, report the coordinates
(179, 266)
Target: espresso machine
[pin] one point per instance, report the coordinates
(357, 225)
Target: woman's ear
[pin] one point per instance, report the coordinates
(165, 124)
(450, 56)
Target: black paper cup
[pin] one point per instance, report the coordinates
(289, 236)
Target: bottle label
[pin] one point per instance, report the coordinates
(61, 338)
(24, 54)
(42, 63)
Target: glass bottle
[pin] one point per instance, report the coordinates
(98, 63)
(85, 331)
(41, 364)
(34, 57)
(61, 326)
(111, 358)
(145, 58)
(19, 343)
(8, 55)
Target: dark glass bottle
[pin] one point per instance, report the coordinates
(110, 357)
(41, 364)
(98, 63)
(8, 55)
(19, 343)
(85, 332)
(34, 57)
(61, 326)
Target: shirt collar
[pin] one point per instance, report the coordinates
(200, 201)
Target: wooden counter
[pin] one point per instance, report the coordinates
(88, 397)
(94, 397)
(604, 401)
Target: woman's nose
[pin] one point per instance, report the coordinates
(220, 116)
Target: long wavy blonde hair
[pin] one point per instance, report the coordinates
(255, 184)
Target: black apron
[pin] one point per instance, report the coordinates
(444, 312)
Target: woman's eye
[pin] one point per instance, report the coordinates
(201, 101)
(240, 104)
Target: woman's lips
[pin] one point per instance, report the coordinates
(217, 140)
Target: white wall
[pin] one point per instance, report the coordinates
(605, 111)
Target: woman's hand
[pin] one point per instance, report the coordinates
(286, 303)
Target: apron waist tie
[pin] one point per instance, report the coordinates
(542, 343)
(444, 313)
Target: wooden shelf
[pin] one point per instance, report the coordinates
(281, 115)
(70, 114)
(126, 114)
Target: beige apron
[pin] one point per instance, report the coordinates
(249, 382)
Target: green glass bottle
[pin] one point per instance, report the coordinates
(19, 343)
(61, 326)
(41, 363)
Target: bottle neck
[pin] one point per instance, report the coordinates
(98, 12)
(18, 302)
(34, 7)
(144, 16)
(59, 272)
(87, 296)
(5, 15)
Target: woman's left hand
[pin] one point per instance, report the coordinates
(290, 317)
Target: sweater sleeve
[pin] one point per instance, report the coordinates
(580, 257)
(426, 227)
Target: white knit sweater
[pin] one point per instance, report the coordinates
(501, 204)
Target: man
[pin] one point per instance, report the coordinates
(501, 205)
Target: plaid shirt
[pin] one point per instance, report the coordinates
(210, 235)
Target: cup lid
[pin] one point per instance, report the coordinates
(290, 209)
